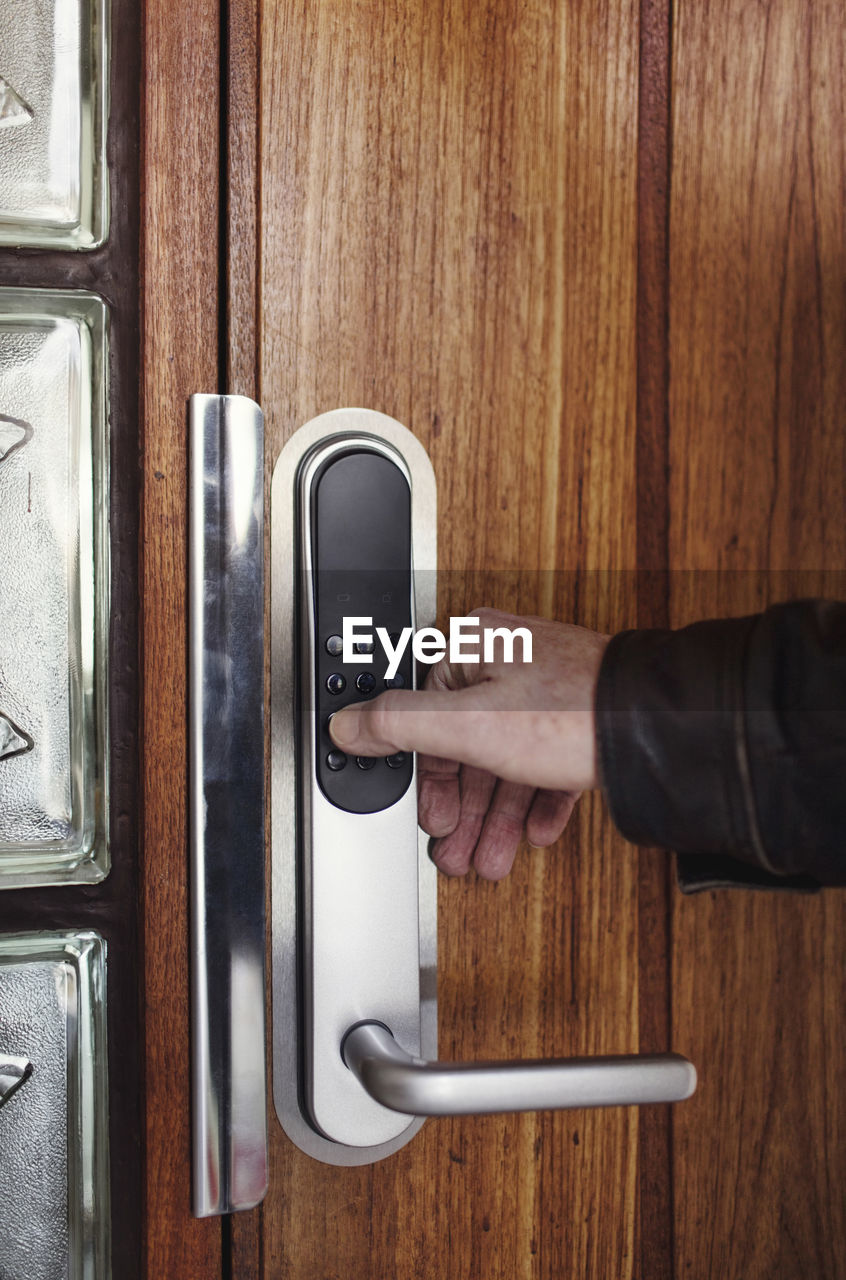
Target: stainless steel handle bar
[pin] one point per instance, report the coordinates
(403, 1083)
(226, 798)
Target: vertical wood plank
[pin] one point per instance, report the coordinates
(448, 198)
(758, 494)
(240, 193)
(655, 1189)
(179, 236)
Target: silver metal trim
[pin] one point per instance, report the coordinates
(226, 800)
(358, 943)
(405, 1083)
(335, 429)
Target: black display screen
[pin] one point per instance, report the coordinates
(361, 557)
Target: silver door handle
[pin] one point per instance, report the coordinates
(411, 1085)
(226, 798)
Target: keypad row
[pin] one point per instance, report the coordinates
(359, 784)
(365, 682)
(335, 646)
(337, 760)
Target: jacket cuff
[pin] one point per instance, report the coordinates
(671, 740)
(696, 873)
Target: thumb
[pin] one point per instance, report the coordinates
(437, 723)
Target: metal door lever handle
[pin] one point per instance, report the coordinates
(411, 1085)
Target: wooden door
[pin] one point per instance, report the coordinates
(542, 236)
(757, 513)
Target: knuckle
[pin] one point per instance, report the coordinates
(497, 617)
(504, 826)
(439, 676)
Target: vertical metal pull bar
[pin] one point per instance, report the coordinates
(226, 750)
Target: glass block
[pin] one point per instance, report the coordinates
(54, 1156)
(53, 588)
(53, 116)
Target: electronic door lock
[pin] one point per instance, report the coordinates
(354, 890)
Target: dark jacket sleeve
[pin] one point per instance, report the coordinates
(726, 742)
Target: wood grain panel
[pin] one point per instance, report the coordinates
(758, 494)
(179, 240)
(655, 1188)
(240, 174)
(448, 197)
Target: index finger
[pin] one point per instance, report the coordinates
(402, 720)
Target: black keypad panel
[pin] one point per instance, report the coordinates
(361, 553)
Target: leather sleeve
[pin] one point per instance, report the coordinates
(726, 742)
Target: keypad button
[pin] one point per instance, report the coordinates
(336, 682)
(396, 682)
(365, 762)
(334, 646)
(396, 761)
(363, 646)
(336, 760)
(365, 682)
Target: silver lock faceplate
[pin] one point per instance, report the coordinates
(354, 894)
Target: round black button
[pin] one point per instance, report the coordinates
(365, 762)
(396, 682)
(363, 646)
(336, 760)
(365, 682)
(395, 761)
(334, 646)
(336, 682)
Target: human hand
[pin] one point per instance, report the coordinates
(502, 746)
